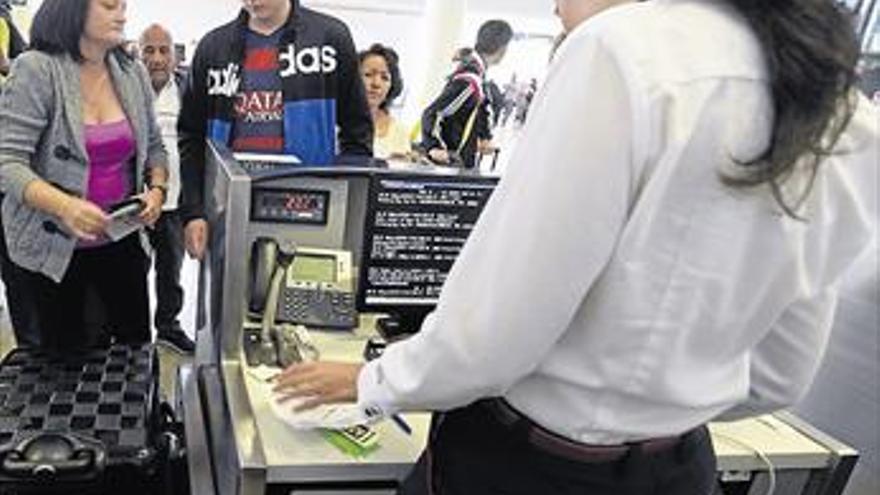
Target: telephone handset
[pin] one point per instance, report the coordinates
(267, 346)
(264, 258)
(291, 287)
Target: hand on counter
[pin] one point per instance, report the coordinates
(319, 383)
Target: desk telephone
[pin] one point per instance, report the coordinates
(317, 285)
(291, 287)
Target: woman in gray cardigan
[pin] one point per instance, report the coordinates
(78, 136)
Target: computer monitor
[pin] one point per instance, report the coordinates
(415, 227)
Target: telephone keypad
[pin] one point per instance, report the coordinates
(317, 308)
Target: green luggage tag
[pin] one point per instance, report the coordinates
(357, 441)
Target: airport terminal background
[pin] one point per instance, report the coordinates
(845, 398)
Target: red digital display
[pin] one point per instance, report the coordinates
(290, 206)
(303, 203)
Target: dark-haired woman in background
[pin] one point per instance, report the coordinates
(79, 135)
(380, 71)
(664, 250)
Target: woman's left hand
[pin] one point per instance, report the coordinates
(319, 383)
(153, 200)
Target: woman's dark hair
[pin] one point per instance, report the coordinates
(393, 63)
(811, 52)
(58, 26)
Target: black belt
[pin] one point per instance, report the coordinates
(554, 444)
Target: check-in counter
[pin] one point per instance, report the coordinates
(238, 446)
(803, 461)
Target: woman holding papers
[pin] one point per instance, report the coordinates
(79, 136)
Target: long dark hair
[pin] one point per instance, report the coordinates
(811, 51)
(58, 26)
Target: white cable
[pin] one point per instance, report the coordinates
(771, 469)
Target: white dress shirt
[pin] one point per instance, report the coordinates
(167, 105)
(614, 288)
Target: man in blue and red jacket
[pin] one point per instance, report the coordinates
(278, 79)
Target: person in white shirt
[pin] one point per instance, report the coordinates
(157, 53)
(664, 250)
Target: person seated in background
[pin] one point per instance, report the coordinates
(79, 135)
(157, 54)
(381, 74)
(458, 118)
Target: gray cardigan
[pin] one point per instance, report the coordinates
(41, 137)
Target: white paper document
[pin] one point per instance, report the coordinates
(124, 220)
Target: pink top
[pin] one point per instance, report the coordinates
(110, 147)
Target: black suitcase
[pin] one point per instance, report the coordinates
(86, 423)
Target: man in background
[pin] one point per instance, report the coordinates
(454, 123)
(278, 79)
(157, 54)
